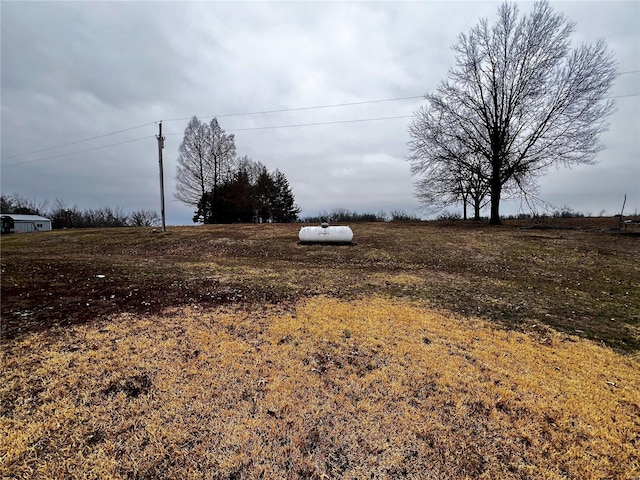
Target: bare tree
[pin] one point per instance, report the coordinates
(6, 204)
(105, 217)
(222, 153)
(21, 205)
(519, 98)
(254, 169)
(193, 177)
(65, 216)
(206, 159)
(144, 218)
(452, 175)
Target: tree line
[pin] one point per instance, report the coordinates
(343, 215)
(64, 216)
(224, 187)
(250, 195)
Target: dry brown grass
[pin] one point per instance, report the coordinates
(575, 279)
(372, 388)
(423, 351)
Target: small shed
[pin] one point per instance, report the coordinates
(14, 223)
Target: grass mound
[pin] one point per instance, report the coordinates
(329, 388)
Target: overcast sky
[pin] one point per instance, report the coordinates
(76, 70)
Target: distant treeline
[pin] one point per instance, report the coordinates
(344, 215)
(64, 216)
(562, 212)
(278, 207)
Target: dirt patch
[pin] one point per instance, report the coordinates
(61, 294)
(132, 387)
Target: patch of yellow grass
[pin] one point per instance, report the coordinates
(336, 389)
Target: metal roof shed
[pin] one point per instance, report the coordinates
(24, 223)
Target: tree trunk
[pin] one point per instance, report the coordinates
(464, 209)
(476, 210)
(496, 188)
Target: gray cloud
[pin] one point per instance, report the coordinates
(73, 70)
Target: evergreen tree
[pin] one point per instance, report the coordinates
(284, 208)
(265, 196)
(250, 195)
(240, 197)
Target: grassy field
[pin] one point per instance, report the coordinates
(424, 350)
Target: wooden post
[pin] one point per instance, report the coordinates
(160, 147)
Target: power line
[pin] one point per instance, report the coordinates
(238, 129)
(299, 108)
(181, 133)
(261, 112)
(78, 151)
(78, 141)
(622, 96)
(320, 123)
(309, 124)
(212, 116)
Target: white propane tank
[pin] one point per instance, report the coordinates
(325, 234)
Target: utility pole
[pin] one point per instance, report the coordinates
(160, 147)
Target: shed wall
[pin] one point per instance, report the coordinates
(22, 226)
